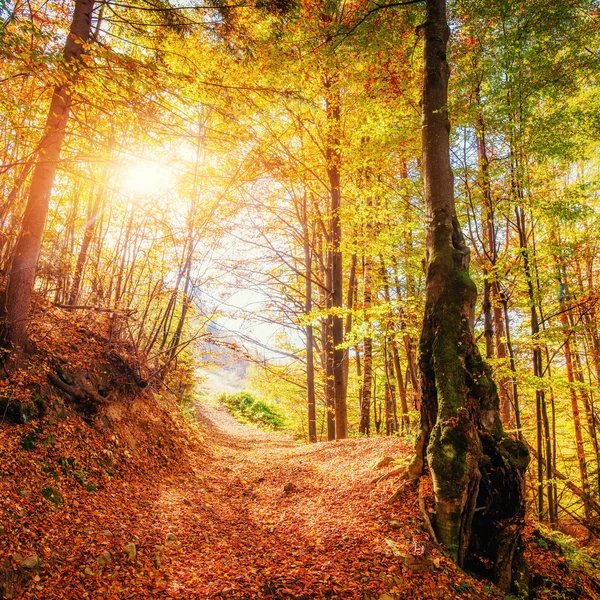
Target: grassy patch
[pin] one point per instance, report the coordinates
(246, 408)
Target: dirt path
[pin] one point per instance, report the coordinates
(280, 519)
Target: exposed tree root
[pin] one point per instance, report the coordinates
(83, 392)
(393, 473)
(398, 492)
(424, 513)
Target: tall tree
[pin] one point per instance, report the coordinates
(477, 470)
(22, 271)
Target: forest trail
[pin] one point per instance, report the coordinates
(269, 517)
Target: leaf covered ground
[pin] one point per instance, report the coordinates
(218, 511)
(136, 501)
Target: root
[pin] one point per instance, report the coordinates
(425, 515)
(83, 393)
(393, 473)
(398, 491)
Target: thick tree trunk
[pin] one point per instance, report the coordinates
(21, 277)
(477, 471)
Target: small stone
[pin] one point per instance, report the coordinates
(31, 562)
(290, 487)
(17, 557)
(88, 530)
(104, 559)
(25, 493)
(395, 524)
(394, 548)
(106, 533)
(130, 550)
(187, 502)
(171, 539)
(88, 571)
(386, 597)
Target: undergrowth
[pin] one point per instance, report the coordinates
(576, 557)
(246, 408)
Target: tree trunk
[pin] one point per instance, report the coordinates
(350, 296)
(367, 371)
(477, 470)
(310, 365)
(581, 458)
(395, 368)
(21, 277)
(336, 289)
(88, 235)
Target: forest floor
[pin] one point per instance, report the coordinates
(143, 503)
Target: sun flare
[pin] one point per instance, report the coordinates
(147, 178)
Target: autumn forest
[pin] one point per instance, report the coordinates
(309, 287)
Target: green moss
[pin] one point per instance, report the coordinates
(52, 495)
(515, 452)
(447, 455)
(28, 441)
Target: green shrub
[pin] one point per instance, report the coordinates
(246, 408)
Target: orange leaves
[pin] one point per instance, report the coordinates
(213, 522)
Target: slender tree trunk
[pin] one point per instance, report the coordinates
(395, 367)
(543, 441)
(581, 459)
(329, 359)
(186, 301)
(501, 355)
(367, 377)
(21, 277)
(88, 234)
(348, 326)
(310, 365)
(337, 324)
(477, 471)
(390, 389)
(513, 368)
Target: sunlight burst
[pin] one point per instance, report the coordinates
(147, 178)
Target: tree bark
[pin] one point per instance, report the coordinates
(477, 470)
(367, 371)
(310, 365)
(21, 277)
(333, 156)
(88, 234)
